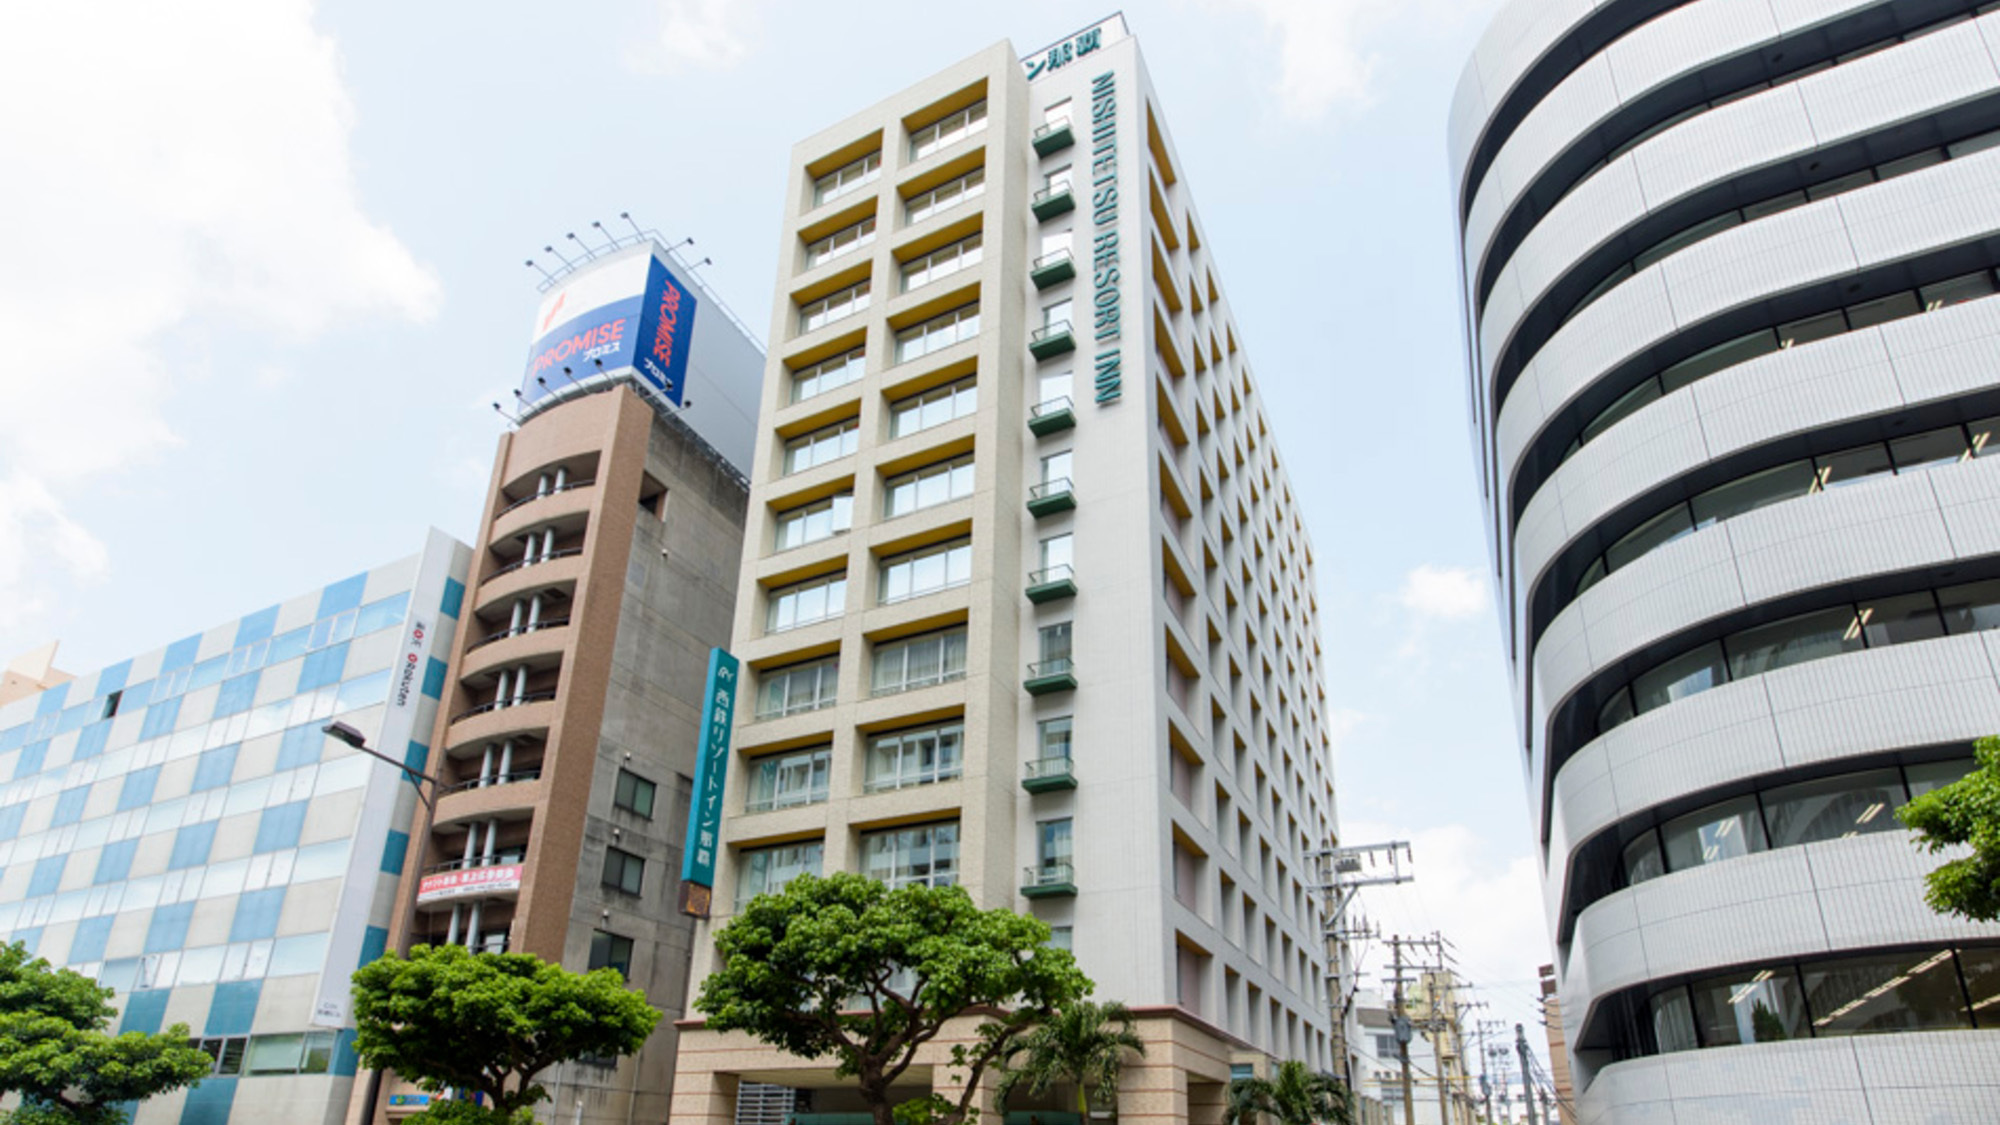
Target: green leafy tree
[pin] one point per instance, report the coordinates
(845, 967)
(1966, 812)
(1083, 1043)
(1297, 1096)
(488, 1023)
(57, 1054)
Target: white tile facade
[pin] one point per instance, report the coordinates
(1550, 86)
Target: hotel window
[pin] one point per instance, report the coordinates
(805, 603)
(948, 131)
(822, 446)
(1054, 847)
(927, 854)
(952, 192)
(783, 781)
(926, 571)
(934, 407)
(826, 375)
(923, 756)
(1058, 551)
(837, 305)
(931, 485)
(847, 178)
(937, 333)
(1055, 646)
(942, 262)
(623, 871)
(798, 688)
(1055, 317)
(810, 523)
(918, 662)
(1057, 180)
(767, 870)
(1053, 738)
(845, 240)
(1055, 386)
(1055, 467)
(634, 794)
(610, 951)
(1056, 113)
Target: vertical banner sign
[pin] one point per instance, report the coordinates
(711, 767)
(1104, 273)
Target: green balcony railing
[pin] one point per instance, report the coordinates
(1050, 497)
(1045, 676)
(1054, 137)
(1049, 879)
(1053, 200)
(1052, 583)
(1048, 775)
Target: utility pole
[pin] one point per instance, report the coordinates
(1527, 1073)
(1400, 1021)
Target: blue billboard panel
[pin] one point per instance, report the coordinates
(711, 769)
(664, 333)
(625, 313)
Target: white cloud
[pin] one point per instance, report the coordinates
(706, 34)
(172, 169)
(1331, 51)
(34, 530)
(1445, 593)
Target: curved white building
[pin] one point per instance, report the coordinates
(1734, 329)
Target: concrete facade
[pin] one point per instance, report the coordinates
(1000, 338)
(1728, 267)
(605, 571)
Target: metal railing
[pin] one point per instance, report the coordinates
(497, 859)
(1052, 258)
(778, 801)
(914, 778)
(1060, 666)
(545, 623)
(491, 780)
(503, 704)
(1048, 874)
(1061, 572)
(1051, 128)
(1042, 768)
(1053, 191)
(1048, 488)
(517, 564)
(1057, 405)
(1050, 331)
(532, 497)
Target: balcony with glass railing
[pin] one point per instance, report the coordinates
(1049, 775)
(1049, 879)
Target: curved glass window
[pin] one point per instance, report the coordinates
(1706, 228)
(1783, 816)
(1947, 445)
(1924, 989)
(1791, 334)
(1919, 615)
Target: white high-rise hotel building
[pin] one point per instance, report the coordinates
(1027, 603)
(1735, 370)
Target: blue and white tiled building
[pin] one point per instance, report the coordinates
(178, 826)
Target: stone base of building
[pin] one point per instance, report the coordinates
(1181, 1079)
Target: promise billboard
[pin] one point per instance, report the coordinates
(629, 311)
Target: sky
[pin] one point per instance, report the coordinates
(264, 276)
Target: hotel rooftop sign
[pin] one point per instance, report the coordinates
(1073, 47)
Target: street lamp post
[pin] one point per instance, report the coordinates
(359, 741)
